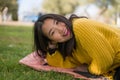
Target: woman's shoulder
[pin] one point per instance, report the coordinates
(80, 23)
(78, 20)
(85, 21)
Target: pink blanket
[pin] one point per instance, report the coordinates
(36, 62)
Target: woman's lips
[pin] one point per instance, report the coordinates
(66, 32)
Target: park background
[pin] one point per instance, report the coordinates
(17, 18)
(107, 11)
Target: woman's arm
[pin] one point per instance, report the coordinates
(37, 63)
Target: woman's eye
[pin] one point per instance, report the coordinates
(52, 33)
(57, 22)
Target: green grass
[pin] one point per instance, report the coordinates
(15, 43)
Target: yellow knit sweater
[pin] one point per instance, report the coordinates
(98, 45)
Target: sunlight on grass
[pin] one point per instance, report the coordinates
(15, 43)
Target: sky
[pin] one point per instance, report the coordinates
(93, 10)
(28, 5)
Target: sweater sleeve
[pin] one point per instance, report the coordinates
(96, 45)
(57, 60)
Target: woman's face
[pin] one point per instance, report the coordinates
(56, 31)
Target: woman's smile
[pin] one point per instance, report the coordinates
(66, 32)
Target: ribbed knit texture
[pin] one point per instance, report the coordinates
(98, 45)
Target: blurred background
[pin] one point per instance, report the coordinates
(27, 11)
(16, 30)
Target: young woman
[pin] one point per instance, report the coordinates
(72, 42)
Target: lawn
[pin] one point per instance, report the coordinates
(15, 43)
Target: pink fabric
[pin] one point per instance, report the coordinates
(36, 62)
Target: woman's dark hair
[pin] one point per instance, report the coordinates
(41, 42)
(117, 74)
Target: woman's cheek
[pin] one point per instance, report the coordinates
(57, 37)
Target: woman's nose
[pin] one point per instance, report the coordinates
(60, 29)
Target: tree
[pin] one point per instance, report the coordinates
(12, 7)
(62, 7)
(115, 7)
(108, 7)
